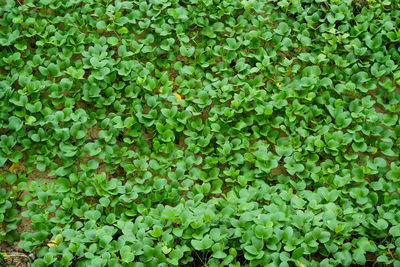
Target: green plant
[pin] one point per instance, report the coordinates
(205, 132)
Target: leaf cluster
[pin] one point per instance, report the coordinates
(205, 132)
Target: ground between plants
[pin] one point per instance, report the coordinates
(215, 133)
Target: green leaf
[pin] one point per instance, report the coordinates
(174, 256)
(93, 164)
(297, 253)
(46, 2)
(157, 232)
(14, 123)
(101, 25)
(62, 185)
(112, 40)
(126, 254)
(93, 215)
(283, 29)
(395, 230)
(203, 244)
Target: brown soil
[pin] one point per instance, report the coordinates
(17, 259)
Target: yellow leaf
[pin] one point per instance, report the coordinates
(14, 166)
(300, 263)
(52, 244)
(279, 85)
(375, 150)
(178, 97)
(57, 240)
(166, 249)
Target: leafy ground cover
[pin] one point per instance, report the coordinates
(200, 132)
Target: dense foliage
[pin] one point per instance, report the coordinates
(206, 132)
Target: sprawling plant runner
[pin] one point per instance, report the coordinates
(200, 132)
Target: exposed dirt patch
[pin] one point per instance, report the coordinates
(36, 175)
(278, 170)
(11, 258)
(16, 255)
(24, 226)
